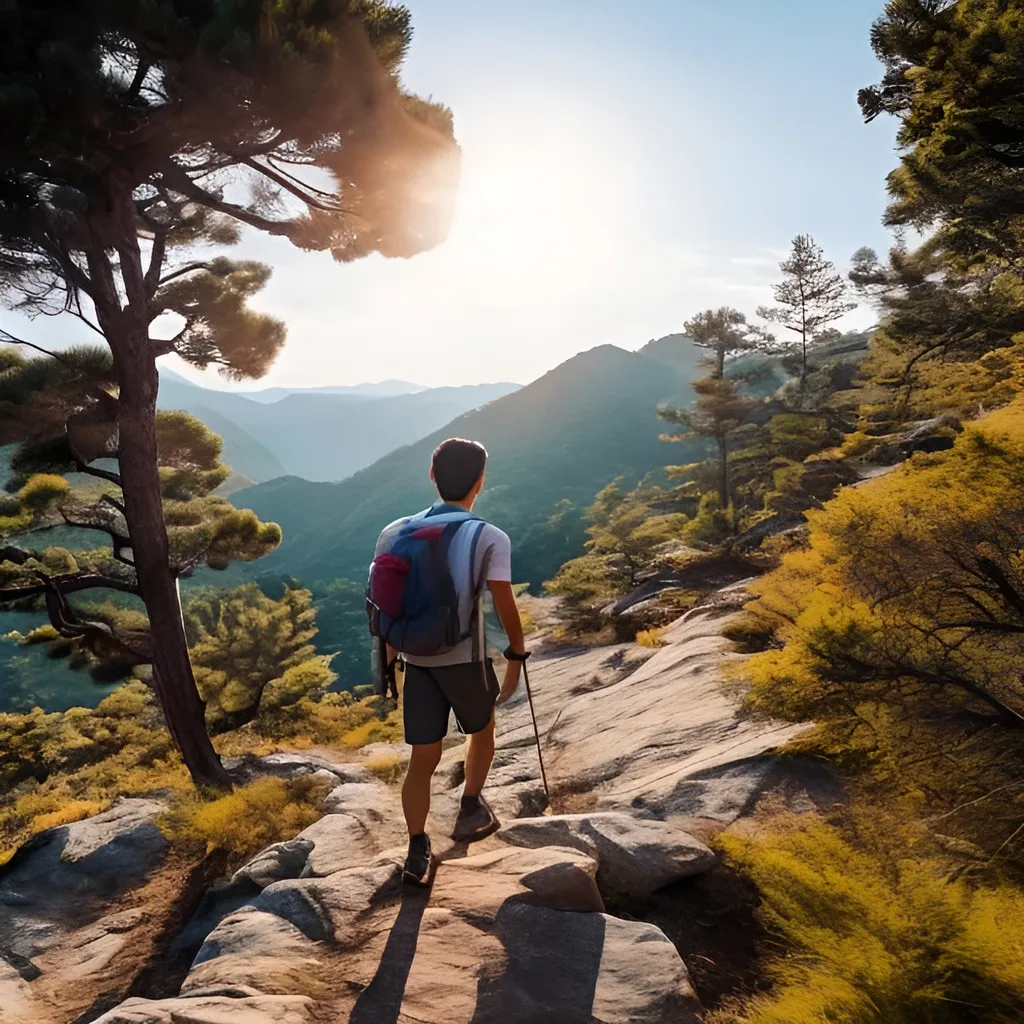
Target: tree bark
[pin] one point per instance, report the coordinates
(173, 680)
(127, 333)
(723, 471)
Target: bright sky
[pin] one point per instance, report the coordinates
(624, 166)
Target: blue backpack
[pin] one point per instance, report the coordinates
(412, 602)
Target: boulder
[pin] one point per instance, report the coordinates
(583, 968)
(635, 856)
(333, 907)
(338, 841)
(65, 876)
(558, 878)
(367, 801)
(517, 799)
(821, 479)
(277, 862)
(934, 435)
(290, 764)
(236, 1005)
(256, 949)
(772, 526)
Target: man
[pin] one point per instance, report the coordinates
(461, 679)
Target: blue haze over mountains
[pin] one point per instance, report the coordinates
(321, 434)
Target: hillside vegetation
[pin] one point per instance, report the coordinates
(879, 503)
(264, 688)
(584, 423)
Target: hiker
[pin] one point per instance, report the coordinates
(424, 598)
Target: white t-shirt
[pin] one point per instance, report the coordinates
(493, 547)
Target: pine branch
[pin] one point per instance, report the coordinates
(11, 339)
(101, 474)
(179, 180)
(70, 583)
(118, 542)
(187, 268)
(156, 262)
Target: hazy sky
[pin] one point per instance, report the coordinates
(624, 166)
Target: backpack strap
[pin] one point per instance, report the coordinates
(442, 508)
(478, 627)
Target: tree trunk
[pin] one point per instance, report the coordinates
(803, 347)
(173, 679)
(723, 471)
(127, 333)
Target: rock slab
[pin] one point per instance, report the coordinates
(635, 856)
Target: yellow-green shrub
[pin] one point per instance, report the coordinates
(650, 637)
(244, 821)
(874, 934)
(389, 768)
(376, 730)
(903, 625)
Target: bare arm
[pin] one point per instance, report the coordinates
(508, 612)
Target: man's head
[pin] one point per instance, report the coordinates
(457, 469)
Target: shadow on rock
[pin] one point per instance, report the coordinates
(381, 1001)
(552, 963)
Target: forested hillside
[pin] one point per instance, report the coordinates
(555, 441)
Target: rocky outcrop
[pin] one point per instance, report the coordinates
(666, 740)
(66, 875)
(510, 935)
(700, 572)
(934, 435)
(640, 749)
(91, 908)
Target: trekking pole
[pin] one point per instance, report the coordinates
(536, 733)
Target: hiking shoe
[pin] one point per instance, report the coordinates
(476, 820)
(418, 861)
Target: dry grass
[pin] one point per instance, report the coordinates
(650, 638)
(269, 810)
(389, 768)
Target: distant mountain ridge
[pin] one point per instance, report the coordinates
(320, 434)
(376, 389)
(560, 438)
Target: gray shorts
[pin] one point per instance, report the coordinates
(430, 694)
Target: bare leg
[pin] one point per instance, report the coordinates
(479, 754)
(416, 789)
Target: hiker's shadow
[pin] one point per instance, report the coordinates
(552, 962)
(548, 974)
(381, 1001)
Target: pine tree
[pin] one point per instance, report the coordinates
(718, 414)
(133, 137)
(246, 646)
(952, 79)
(52, 424)
(721, 404)
(952, 307)
(724, 332)
(811, 296)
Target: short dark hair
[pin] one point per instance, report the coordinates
(457, 465)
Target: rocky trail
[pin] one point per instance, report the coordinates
(563, 916)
